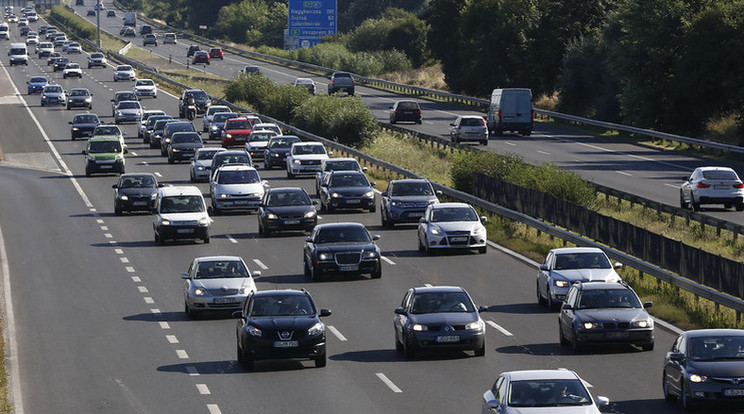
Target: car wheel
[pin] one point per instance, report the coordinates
(72, 138)
(206, 240)
(190, 313)
(320, 361)
(373, 208)
(117, 211)
(215, 211)
(191, 177)
(69, 107)
(550, 302)
(685, 399)
(314, 274)
(562, 338)
(648, 347)
(540, 299)
(668, 397)
(289, 174)
(329, 208)
(682, 203)
(398, 345)
(695, 206)
(727, 205)
(739, 207)
(377, 273)
(483, 250)
(408, 351)
(484, 142)
(246, 360)
(479, 352)
(575, 345)
(170, 160)
(306, 269)
(421, 247)
(158, 239)
(392, 121)
(385, 222)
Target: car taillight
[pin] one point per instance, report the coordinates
(703, 185)
(739, 185)
(484, 122)
(500, 115)
(532, 115)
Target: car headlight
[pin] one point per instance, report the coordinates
(477, 325)
(119, 113)
(335, 195)
(271, 216)
(369, 194)
(165, 222)
(167, 140)
(223, 195)
(253, 331)
(418, 327)
(371, 254)
(298, 162)
(697, 378)
(119, 157)
(200, 292)
(310, 214)
(88, 99)
(75, 129)
(200, 168)
(561, 283)
(69, 100)
(325, 256)
(316, 329)
(215, 128)
(92, 158)
(435, 230)
(204, 221)
(641, 324)
(396, 203)
(153, 196)
(589, 325)
(275, 155)
(175, 149)
(123, 197)
(228, 135)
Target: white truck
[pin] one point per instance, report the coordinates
(130, 19)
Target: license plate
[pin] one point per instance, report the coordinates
(417, 214)
(291, 221)
(459, 239)
(447, 339)
(286, 344)
(353, 201)
(106, 166)
(616, 334)
(736, 392)
(225, 300)
(184, 231)
(241, 202)
(720, 187)
(139, 203)
(348, 268)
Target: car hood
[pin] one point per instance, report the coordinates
(129, 111)
(580, 409)
(183, 216)
(204, 163)
(85, 126)
(186, 145)
(292, 210)
(721, 368)
(587, 275)
(103, 156)
(611, 314)
(137, 191)
(53, 94)
(257, 144)
(289, 323)
(226, 283)
(309, 156)
(238, 131)
(255, 188)
(448, 226)
(350, 190)
(414, 198)
(337, 247)
(444, 318)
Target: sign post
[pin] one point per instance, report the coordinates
(309, 21)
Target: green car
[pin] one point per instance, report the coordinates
(104, 154)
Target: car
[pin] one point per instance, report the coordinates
(217, 283)
(100, 6)
(60, 63)
(59, 40)
(201, 163)
(235, 187)
(451, 226)
(24, 30)
(567, 265)
(36, 84)
(150, 39)
(149, 126)
(12, 18)
(135, 192)
(257, 124)
(604, 313)
(235, 157)
(127, 111)
(405, 110)
(235, 132)
(342, 248)
(107, 130)
(32, 40)
(341, 81)
(156, 134)
(306, 83)
(124, 72)
(32, 16)
(82, 125)
(96, 59)
(544, 391)
(705, 366)
(51, 34)
(145, 30)
(79, 2)
(180, 213)
(72, 70)
(251, 69)
(439, 318)
(192, 49)
(74, 47)
(111, 13)
(712, 185)
(66, 45)
(406, 201)
(80, 98)
(256, 142)
(277, 149)
(200, 56)
(171, 128)
(209, 114)
(218, 123)
(143, 121)
(43, 29)
(216, 53)
(469, 128)
(53, 56)
(280, 324)
(304, 158)
(104, 154)
(145, 87)
(53, 95)
(200, 98)
(286, 209)
(44, 49)
(183, 145)
(121, 96)
(347, 190)
(129, 32)
(91, 12)
(169, 38)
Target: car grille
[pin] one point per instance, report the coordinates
(185, 223)
(727, 380)
(348, 258)
(223, 292)
(309, 162)
(414, 205)
(139, 198)
(616, 325)
(291, 216)
(441, 328)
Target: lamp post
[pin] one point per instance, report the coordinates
(98, 23)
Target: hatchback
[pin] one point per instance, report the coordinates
(451, 226)
(217, 283)
(405, 111)
(712, 185)
(201, 57)
(135, 192)
(216, 53)
(469, 128)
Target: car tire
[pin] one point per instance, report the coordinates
(190, 313)
(392, 121)
(315, 274)
(540, 299)
(576, 346)
(408, 351)
(320, 361)
(668, 397)
(421, 247)
(682, 203)
(562, 338)
(171, 160)
(69, 107)
(246, 361)
(215, 211)
(383, 221)
(685, 400)
(484, 142)
(739, 206)
(483, 250)
(398, 345)
(695, 206)
(117, 211)
(550, 303)
(159, 240)
(479, 352)
(377, 273)
(373, 208)
(206, 240)
(306, 269)
(289, 174)
(72, 138)
(648, 347)
(191, 177)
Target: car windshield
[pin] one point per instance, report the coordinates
(181, 127)
(129, 105)
(303, 82)
(408, 105)
(345, 165)
(287, 198)
(608, 298)
(244, 124)
(308, 149)
(342, 234)
(103, 147)
(712, 348)
(206, 155)
(85, 119)
(186, 137)
(141, 181)
(454, 214)
(720, 175)
(53, 89)
(123, 68)
(547, 393)
(282, 142)
(439, 302)
(238, 177)
(151, 120)
(96, 55)
(232, 159)
(567, 261)
(182, 204)
(217, 109)
(107, 130)
(261, 136)
(411, 189)
(221, 269)
(197, 95)
(282, 305)
(38, 79)
(145, 82)
(223, 116)
(79, 92)
(159, 125)
(349, 180)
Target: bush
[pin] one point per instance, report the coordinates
(345, 120)
(253, 89)
(284, 100)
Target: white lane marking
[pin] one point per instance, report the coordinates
(124, 259)
(640, 157)
(118, 251)
(624, 173)
(99, 221)
(133, 153)
(388, 261)
(203, 389)
(157, 174)
(104, 228)
(543, 152)
(428, 285)
(171, 339)
(182, 354)
(192, 371)
(92, 209)
(387, 382)
(142, 289)
(164, 325)
(213, 409)
(144, 163)
(513, 254)
(232, 240)
(155, 311)
(136, 279)
(510, 143)
(336, 333)
(260, 264)
(502, 330)
(676, 187)
(108, 235)
(12, 344)
(113, 242)
(149, 300)
(130, 269)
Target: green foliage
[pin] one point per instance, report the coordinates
(77, 24)
(346, 120)
(252, 89)
(335, 55)
(396, 29)
(351, 13)
(284, 100)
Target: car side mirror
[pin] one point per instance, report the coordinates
(400, 311)
(324, 312)
(677, 357)
(115, 186)
(566, 306)
(237, 315)
(315, 202)
(364, 169)
(422, 220)
(126, 150)
(185, 276)
(438, 192)
(482, 309)
(160, 185)
(308, 239)
(617, 265)
(648, 304)
(384, 194)
(602, 401)
(256, 274)
(452, 124)
(373, 183)
(544, 267)
(70, 122)
(330, 153)
(376, 237)
(484, 219)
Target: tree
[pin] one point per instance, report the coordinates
(396, 29)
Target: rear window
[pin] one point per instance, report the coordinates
(472, 122)
(408, 105)
(238, 124)
(181, 126)
(720, 175)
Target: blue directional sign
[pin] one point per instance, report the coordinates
(312, 19)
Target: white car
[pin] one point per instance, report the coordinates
(124, 72)
(712, 185)
(304, 158)
(451, 226)
(201, 163)
(556, 391)
(217, 283)
(565, 266)
(209, 115)
(268, 125)
(169, 38)
(145, 87)
(72, 70)
(32, 40)
(127, 111)
(180, 213)
(236, 187)
(74, 47)
(256, 142)
(469, 128)
(43, 49)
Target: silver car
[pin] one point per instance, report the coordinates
(201, 163)
(469, 128)
(127, 111)
(256, 142)
(124, 72)
(53, 95)
(236, 187)
(451, 226)
(215, 283)
(145, 87)
(712, 185)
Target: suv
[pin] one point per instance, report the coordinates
(605, 313)
(341, 81)
(192, 49)
(405, 201)
(201, 98)
(104, 154)
(169, 38)
(96, 59)
(304, 158)
(145, 29)
(405, 111)
(180, 213)
(280, 324)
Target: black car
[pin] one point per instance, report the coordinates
(156, 135)
(60, 63)
(170, 129)
(341, 248)
(53, 58)
(405, 111)
(79, 98)
(604, 313)
(346, 190)
(82, 125)
(91, 12)
(201, 99)
(277, 149)
(286, 208)
(183, 145)
(135, 192)
(239, 157)
(150, 124)
(405, 201)
(280, 324)
(439, 318)
(192, 49)
(705, 365)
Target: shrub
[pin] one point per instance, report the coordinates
(345, 120)
(77, 24)
(284, 99)
(253, 89)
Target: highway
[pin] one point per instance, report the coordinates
(96, 307)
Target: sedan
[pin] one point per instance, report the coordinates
(80, 98)
(705, 365)
(201, 163)
(124, 72)
(145, 87)
(346, 190)
(286, 208)
(183, 145)
(565, 266)
(72, 70)
(236, 187)
(36, 84)
(200, 56)
(53, 95)
(306, 83)
(135, 192)
(469, 128)
(256, 142)
(217, 283)
(546, 391)
(439, 318)
(341, 248)
(451, 226)
(712, 185)
(127, 111)
(83, 125)
(405, 201)
(277, 149)
(53, 57)
(405, 111)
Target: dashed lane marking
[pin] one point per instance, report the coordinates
(335, 332)
(387, 382)
(499, 328)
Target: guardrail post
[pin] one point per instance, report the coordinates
(170, 58)
(718, 229)
(640, 275)
(738, 318)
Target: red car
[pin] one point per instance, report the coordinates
(201, 57)
(216, 53)
(236, 131)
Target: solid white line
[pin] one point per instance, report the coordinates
(387, 382)
(15, 377)
(260, 264)
(624, 173)
(171, 339)
(164, 325)
(203, 389)
(229, 237)
(543, 152)
(214, 409)
(388, 261)
(510, 143)
(337, 333)
(502, 330)
(192, 371)
(182, 354)
(142, 289)
(513, 254)
(149, 300)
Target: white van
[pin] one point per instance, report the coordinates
(18, 54)
(180, 213)
(510, 110)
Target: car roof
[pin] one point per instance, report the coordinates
(236, 167)
(346, 172)
(274, 190)
(410, 180)
(568, 250)
(180, 190)
(281, 292)
(602, 285)
(341, 224)
(306, 143)
(697, 333)
(233, 152)
(541, 374)
(449, 205)
(216, 258)
(340, 159)
(431, 289)
(103, 138)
